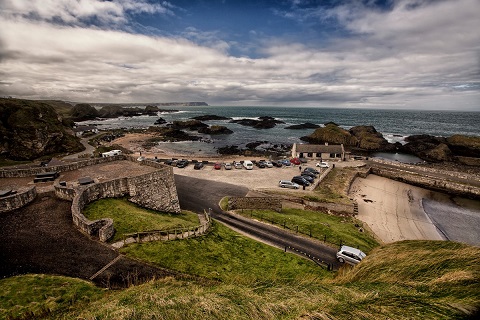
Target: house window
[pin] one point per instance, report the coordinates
(310, 154)
(319, 154)
(333, 155)
(300, 155)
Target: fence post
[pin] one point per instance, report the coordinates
(284, 223)
(310, 233)
(297, 229)
(324, 238)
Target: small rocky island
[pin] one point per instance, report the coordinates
(264, 122)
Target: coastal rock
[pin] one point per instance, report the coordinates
(160, 121)
(151, 110)
(209, 117)
(83, 112)
(465, 146)
(306, 125)
(438, 154)
(229, 150)
(370, 139)
(333, 134)
(31, 129)
(254, 145)
(172, 134)
(190, 125)
(264, 122)
(215, 130)
(418, 144)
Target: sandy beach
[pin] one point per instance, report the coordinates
(393, 210)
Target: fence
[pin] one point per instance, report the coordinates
(333, 241)
(318, 261)
(166, 235)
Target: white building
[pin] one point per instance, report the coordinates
(318, 151)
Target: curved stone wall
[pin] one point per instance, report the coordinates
(17, 200)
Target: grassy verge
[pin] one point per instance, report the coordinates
(4, 162)
(38, 296)
(331, 229)
(129, 218)
(406, 280)
(224, 254)
(333, 187)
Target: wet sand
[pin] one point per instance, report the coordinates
(393, 210)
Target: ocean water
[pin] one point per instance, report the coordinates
(395, 125)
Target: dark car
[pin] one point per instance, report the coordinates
(310, 174)
(261, 164)
(198, 166)
(277, 164)
(300, 180)
(308, 178)
(310, 169)
(182, 163)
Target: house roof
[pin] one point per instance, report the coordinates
(320, 148)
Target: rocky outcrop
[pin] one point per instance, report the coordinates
(171, 134)
(264, 122)
(465, 146)
(370, 139)
(306, 125)
(332, 134)
(210, 117)
(83, 112)
(160, 121)
(32, 129)
(115, 111)
(190, 125)
(215, 130)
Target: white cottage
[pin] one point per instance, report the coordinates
(318, 151)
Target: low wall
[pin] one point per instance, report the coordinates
(428, 182)
(28, 172)
(17, 200)
(330, 208)
(255, 203)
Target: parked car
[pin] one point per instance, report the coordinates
(288, 184)
(322, 164)
(350, 255)
(198, 166)
(238, 165)
(182, 163)
(217, 166)
(261, 164)
(227, 166)
(308, 178)
(269, 164)
(300, 180)
(312, 170)
(295, 161)
(308, 173)
(303, 160)
(285, 162)
(277, 163)
(248, 164)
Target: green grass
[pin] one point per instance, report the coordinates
(404, 280)
(333, 187)
(129, 218)
(36, 296)
(224, 254)
(4, 162)
(319, 225)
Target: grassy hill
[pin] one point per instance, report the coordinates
(404, 280)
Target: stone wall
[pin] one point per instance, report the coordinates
(255, 203)
(428, 182)
(17, 200)
(29, 172)
(330, 208)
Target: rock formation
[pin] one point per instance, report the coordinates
(209, 117)
(264, 122)
(306, 125)
(215, 130)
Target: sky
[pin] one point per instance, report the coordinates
(390, 54)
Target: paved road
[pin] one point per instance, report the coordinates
(198, 195)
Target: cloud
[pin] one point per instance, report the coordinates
(425, 55)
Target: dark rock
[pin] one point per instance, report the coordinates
(330, 122)
(333, 134)
(253, 145)
(464, 146)
(160, 121)
(172, 134)
(229, 150)
(190, 125)
(306, 125)
(83, 112)
(215, 130)
(30, 129)
(417, 144)
(151, 110)
(371, 140)
(264, 122)
(438, 154)
(209, 117)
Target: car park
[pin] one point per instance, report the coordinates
(217, 166)
(350, 255)
(288, 184)
(227, 166)
(322, 164)
(300, 180)
(198, 166)
(303, 160)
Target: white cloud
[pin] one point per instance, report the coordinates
(401, 58)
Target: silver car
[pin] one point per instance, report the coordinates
(350, 255)
(288, 184)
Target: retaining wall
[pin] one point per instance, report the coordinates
(255, 203)
(28, 172)
(17, 200)
(330, 208)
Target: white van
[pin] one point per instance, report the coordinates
(248, 164)
(112, 153)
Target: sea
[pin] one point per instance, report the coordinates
(395, 125)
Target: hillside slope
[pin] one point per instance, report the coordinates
(404, 280)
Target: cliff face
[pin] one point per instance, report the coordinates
(31, 129)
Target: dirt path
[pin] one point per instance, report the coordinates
(41, 238)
